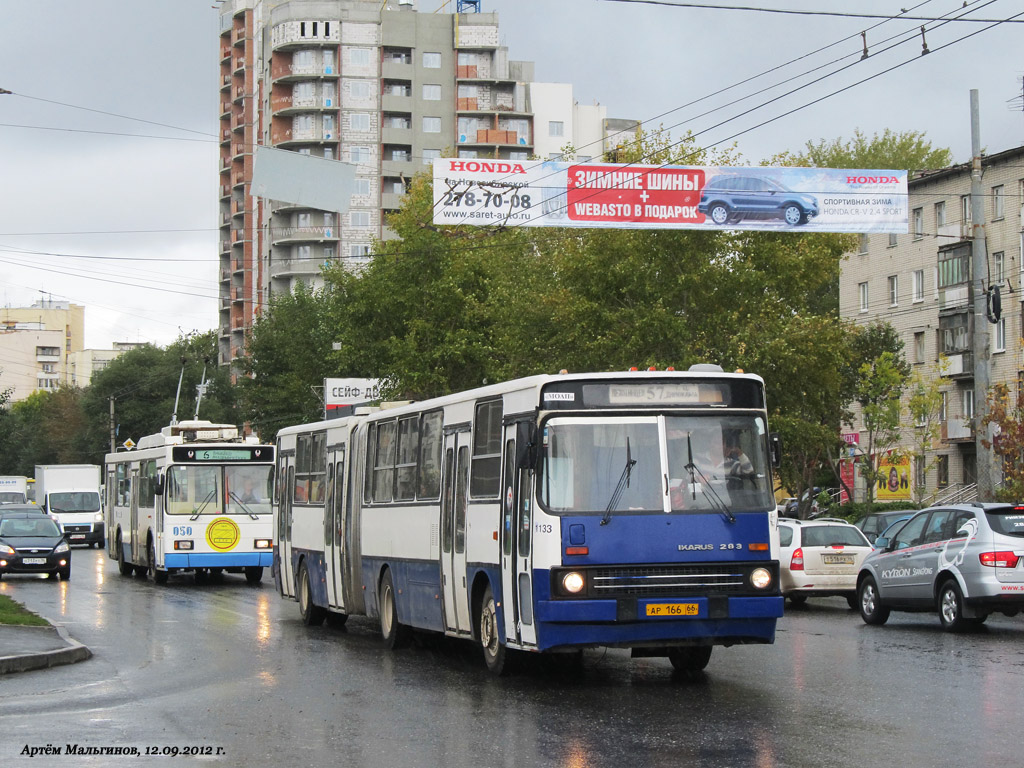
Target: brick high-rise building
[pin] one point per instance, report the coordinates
(376, 84)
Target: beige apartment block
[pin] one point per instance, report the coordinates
(919, 282)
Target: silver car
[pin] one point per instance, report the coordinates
(964, 561)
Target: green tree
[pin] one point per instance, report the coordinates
(906, 150)
(924, 405)
(879, 389)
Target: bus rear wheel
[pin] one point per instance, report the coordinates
(690, 659)
(496, 655)
(124, 568)
(396, 634)
(312, 614)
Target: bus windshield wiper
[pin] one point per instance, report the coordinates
(197, 511)
(234, 497)
(620, 486)
(710, 493)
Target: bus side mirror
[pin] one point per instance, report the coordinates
(526, 445)
(159, 487)
(775, 447)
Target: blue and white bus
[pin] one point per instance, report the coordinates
(551, 513)
(195, 497)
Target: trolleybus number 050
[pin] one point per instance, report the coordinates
(672, 609)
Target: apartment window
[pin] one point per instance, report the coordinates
(328, 126)
(942, 470)
(556, 128)
(359, 154)
(431, 124)
(919, 347)
(943, 401)
(302, 92)
(521, 156)
(329, 61)
(400, 155)
(304, 220)
(431, 92)
(470, 153)
(892, 239)
(862, 241)
(396, 57)
(954, 267)
(894, 290)
(359, 89)
(398, 121)
(328, 93)
(328, 153)
(302, 60)
(998, 203)
(967, 403)
(999, 336)
(359, 218)
(919, 472)
(360, 121)
(998, 267)
(361, 187)
(431, 60)
(918, 223)
(919, 285)
(940, 213)
(862, 290)
(965, 208)
(397, 187)
(328, 252)
(305, 151)
(430, 155)
(303, 252)
(359, 57)
(359, 251)
(468, 92)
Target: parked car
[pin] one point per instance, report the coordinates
(729, 198)
(793, 505)
(963, 561)
(33, 543)
(874, 523)
(820, 558)
(894, 526)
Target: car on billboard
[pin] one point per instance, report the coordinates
(729, 198)
(962, 561)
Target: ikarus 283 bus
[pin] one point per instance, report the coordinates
(551, 513)
(195, 497)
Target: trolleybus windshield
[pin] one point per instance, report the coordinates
(196, 489)
(682, 464)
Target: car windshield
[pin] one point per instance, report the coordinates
(1008, 521)
(830, 535)
(635, 464)
(14, 528)
(75, 501)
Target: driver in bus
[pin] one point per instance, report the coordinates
(249, 494)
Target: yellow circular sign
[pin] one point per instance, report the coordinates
(222, 534)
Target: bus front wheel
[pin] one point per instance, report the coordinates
(159, 577)
(690, 659)
(496, 656)
(254, 574)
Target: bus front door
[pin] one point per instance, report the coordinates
(284, 526)
(516, 533)
(453, 531)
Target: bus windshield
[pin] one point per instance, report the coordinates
(642, 464)
(237, 490)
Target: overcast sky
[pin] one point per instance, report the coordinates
(128, 226)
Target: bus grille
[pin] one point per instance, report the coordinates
(665, 580)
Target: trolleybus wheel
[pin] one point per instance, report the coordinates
(123, 567)
(159, 577)
(336, 620)
(690, 658)
(312, 615)
(396, 634)
(254, 574)
(495, 653)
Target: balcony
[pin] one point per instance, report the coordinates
(959, 365)
(958, 430)
(286, 235)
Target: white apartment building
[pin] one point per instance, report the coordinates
(919, 282)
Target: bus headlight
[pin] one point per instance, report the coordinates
(761, 578)
(262, 544)
(183, 544)
(573, 582)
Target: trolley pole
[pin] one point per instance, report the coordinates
(112, 430)
(980, 344)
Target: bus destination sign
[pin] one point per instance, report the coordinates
(193, 454)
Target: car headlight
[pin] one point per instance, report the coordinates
(98, 517)
(62, 547)
(761, 578)
(5, 550)
(573, 582)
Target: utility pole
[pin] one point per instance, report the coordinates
(980, 345)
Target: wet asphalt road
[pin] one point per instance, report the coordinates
(230, 666)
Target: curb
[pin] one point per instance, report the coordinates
(73, 653)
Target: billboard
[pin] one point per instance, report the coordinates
(894, 479)
(341, 392)
(627, 196)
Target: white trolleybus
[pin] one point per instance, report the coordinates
(551, 513)
(195, 497)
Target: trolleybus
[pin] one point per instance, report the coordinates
(551, 513)
(196, 497)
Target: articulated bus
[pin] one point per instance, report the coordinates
(195, 497)
(547, 514)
